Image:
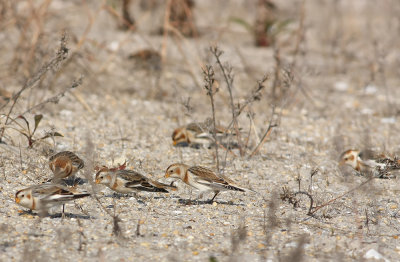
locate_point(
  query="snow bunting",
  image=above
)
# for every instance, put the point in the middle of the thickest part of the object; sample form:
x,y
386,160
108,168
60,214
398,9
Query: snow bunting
x,y
128,181
147,59
65,164
195,134
368,162
44,196
202,179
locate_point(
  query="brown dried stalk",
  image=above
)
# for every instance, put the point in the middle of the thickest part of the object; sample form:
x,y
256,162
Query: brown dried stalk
x,y
209,79
227,72
61,55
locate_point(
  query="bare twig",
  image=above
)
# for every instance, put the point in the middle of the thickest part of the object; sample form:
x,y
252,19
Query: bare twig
x,y
165,31
61,55
227,72
55,99
311,200
342,195
208,72
254,96
300,33
277,76
266,134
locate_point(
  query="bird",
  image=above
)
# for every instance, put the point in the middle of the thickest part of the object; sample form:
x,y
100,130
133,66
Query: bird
x,y
129,181
65,164
196,134
45,196
369,162
202,179
147,59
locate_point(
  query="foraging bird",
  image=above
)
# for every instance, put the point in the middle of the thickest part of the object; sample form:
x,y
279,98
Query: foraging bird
x,y
128,181
202,179
196,134
379,165
65,164
44,196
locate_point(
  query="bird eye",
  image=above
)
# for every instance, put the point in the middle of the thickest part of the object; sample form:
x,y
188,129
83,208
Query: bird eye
x,y
22,195
346,158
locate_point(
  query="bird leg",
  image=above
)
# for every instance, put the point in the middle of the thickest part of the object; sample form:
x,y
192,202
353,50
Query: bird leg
x,y
212,199
63,213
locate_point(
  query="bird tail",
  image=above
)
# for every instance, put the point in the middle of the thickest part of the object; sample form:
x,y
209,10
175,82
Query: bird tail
x,y
77,196
163,187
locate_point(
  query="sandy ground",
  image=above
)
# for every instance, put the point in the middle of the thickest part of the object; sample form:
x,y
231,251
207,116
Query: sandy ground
x,y
344,95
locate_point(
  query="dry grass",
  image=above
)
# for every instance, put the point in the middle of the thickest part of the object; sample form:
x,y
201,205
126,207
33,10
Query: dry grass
x,y
326,83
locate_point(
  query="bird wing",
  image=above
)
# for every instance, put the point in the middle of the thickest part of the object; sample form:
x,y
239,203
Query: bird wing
x,y
137,181
76,161
51,193
209,178
196,128
206,176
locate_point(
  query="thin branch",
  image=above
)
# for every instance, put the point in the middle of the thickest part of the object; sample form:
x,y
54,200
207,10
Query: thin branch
x,y
55,99
61,55
227,72
266,134
311,200
342,195
209,79
254,96
299,33
165,31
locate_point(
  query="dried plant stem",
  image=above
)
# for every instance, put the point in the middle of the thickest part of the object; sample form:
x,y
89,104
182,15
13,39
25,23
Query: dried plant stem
x,y
125,18
255,95
300,33
55,99
61,55
277,75
266,134
165,30
181,50
342,195
229,82
208,72
310,197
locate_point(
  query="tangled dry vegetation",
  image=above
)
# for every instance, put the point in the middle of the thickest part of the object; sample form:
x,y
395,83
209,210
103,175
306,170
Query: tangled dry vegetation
x,y
294,83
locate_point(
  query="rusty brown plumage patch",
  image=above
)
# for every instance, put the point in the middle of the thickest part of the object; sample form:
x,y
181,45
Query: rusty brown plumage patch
x,y
186,178
358,167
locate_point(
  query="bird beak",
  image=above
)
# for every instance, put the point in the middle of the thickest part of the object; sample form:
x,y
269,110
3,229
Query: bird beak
x,y
17,199
342,162
97,181
166,175
174,143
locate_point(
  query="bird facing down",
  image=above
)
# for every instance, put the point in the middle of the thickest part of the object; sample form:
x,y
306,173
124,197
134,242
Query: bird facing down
x,y
195,134
368,162
44,196
202,179
65,164
128,181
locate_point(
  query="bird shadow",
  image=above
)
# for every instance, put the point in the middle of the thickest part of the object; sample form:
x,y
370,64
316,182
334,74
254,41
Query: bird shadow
x,y
56,215
139,199
71,215
75,181
206,202
165,197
